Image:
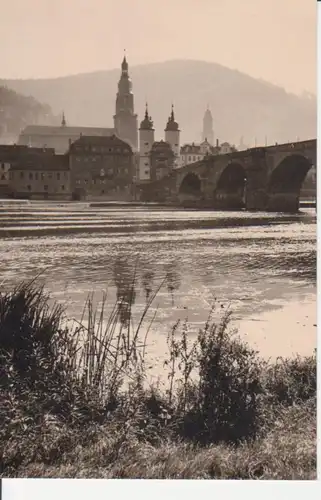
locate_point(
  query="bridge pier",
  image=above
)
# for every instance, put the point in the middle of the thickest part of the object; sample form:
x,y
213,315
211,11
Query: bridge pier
x,y
256,200
283,202
228,201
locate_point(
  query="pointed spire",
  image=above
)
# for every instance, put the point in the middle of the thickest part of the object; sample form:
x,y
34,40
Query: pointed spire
x,y
124,64
146,111
172,113
63,121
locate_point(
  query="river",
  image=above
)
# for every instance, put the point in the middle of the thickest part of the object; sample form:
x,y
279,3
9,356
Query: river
x,y
260,265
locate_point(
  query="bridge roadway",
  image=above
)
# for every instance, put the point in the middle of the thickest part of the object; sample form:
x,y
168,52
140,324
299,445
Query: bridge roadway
x,y
264,178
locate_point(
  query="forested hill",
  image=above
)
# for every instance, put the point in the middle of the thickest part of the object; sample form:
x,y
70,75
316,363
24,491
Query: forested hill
x,y
16,111
241,105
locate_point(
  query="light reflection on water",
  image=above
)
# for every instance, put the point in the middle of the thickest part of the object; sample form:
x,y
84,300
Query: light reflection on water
x,y
253,261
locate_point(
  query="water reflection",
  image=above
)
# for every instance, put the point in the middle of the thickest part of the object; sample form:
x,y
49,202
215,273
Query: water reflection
x,y
251,260
173,281
147,281
125,281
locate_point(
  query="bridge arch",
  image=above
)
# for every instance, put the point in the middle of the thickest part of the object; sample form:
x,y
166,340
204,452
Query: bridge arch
x,y
190,185
285,183
230,191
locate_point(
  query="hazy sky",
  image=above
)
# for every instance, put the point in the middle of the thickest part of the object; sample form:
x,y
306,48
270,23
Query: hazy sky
x,y
274,40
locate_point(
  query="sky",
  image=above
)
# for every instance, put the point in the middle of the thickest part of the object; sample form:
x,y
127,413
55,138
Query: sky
x,y
274,40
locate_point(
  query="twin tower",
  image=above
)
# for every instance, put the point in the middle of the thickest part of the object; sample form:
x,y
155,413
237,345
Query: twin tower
x,y
146,141
126,126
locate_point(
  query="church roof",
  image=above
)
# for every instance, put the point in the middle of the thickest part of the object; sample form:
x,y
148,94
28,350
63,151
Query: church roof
x,y
111,140
65,131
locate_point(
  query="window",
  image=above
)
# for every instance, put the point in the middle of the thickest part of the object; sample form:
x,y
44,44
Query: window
x,y
45,187
62,188
146,172
29,187
146,143
10,175
36,176
3,177
30,176
189,158
42,176
50,175
58,176
2,166
194,158
21,175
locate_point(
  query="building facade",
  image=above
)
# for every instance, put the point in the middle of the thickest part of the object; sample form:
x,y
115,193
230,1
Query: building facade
x,y
125,119
191,153
40,177
12,154
226,148
101,167
146,141
162,160
172,135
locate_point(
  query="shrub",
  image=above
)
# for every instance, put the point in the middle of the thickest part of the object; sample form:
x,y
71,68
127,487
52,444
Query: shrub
x,y
290,381
217,393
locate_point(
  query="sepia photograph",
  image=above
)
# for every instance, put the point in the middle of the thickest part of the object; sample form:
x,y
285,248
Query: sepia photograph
x,y
158,241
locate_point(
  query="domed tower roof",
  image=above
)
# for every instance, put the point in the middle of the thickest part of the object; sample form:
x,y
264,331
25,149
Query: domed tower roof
x,y
171,123
147,123
208,114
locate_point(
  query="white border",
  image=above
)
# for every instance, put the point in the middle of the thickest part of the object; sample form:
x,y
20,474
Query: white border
x,y
76,489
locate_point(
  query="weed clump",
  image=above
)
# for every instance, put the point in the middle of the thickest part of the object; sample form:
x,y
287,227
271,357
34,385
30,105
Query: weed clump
x,y
65,388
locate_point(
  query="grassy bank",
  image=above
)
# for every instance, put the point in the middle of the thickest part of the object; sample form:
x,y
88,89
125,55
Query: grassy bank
x,y
76,400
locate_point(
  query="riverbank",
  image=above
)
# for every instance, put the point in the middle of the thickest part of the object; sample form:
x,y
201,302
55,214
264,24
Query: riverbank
x,y
76,402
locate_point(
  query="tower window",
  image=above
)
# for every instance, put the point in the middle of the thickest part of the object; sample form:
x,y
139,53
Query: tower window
x,y
146,143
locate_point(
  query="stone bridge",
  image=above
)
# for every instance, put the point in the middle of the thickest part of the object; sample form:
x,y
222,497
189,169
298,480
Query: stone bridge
x,y
265,178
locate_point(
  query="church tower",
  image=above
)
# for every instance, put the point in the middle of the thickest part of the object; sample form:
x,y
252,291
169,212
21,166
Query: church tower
x,y
172,136
125,120
146,141
208,127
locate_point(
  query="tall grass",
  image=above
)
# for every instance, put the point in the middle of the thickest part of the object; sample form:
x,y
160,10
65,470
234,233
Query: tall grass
x,y
63,385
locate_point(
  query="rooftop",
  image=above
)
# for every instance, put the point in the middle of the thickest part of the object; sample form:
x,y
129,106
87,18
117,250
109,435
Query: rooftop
x,y
91,140
66,131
